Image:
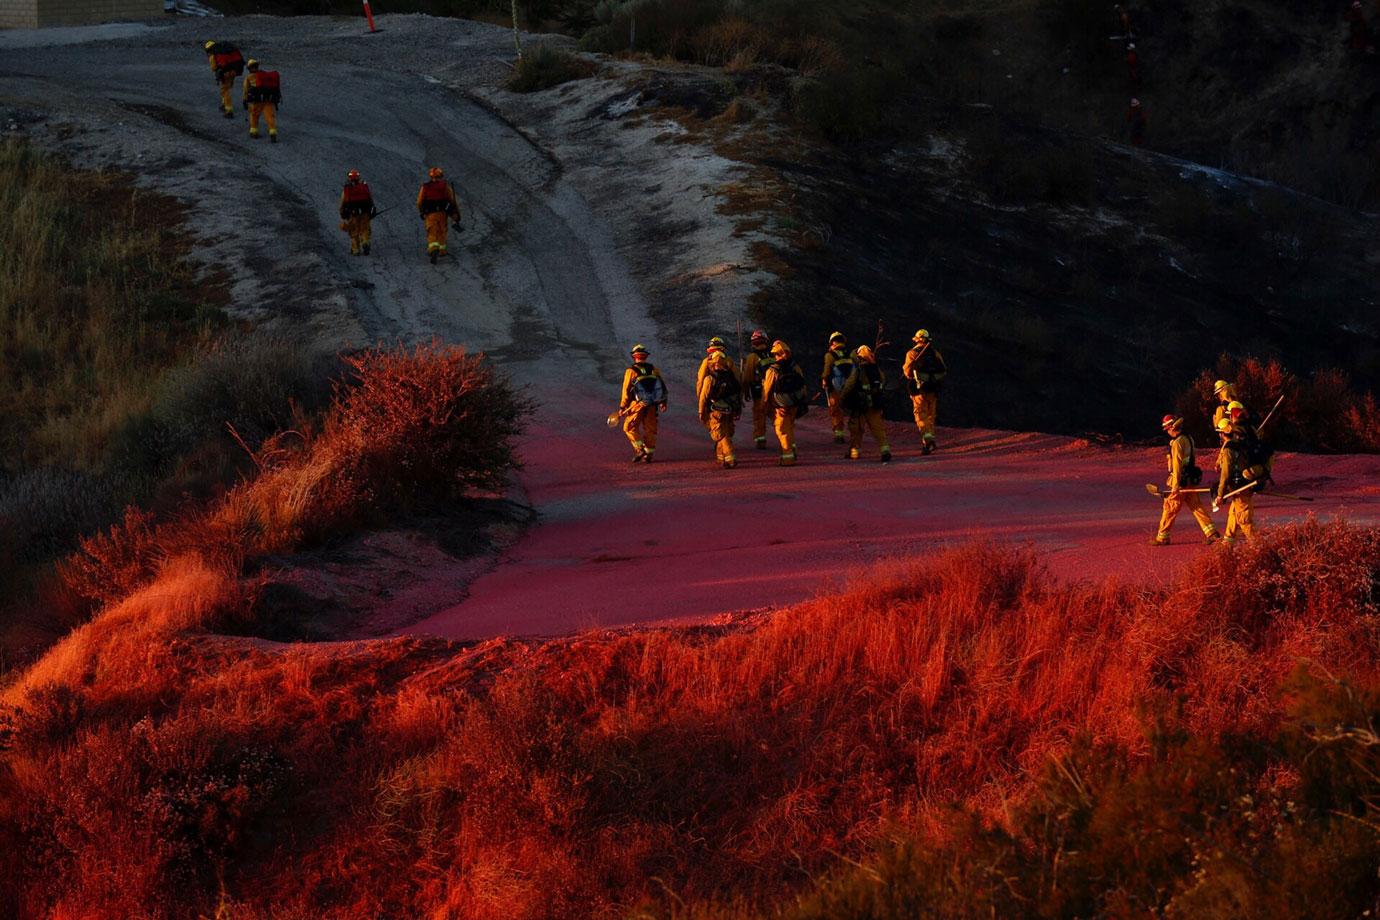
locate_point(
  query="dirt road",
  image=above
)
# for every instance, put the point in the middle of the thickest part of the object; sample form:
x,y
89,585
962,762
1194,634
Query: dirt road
x,y
541,280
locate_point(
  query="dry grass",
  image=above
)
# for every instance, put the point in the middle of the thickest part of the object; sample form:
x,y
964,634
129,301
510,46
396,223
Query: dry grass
x,y
95,302
576,778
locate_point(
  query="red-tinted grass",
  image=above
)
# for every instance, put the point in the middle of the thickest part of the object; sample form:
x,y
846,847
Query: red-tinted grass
x,y
156,769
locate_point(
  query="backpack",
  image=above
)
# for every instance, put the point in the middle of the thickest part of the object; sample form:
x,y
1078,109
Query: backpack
x,y
647,387
838,374
726,391
267,87
1190,474
791,389
227,58
867,391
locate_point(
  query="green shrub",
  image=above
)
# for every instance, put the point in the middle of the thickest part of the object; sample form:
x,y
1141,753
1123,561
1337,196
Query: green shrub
x,y
542,67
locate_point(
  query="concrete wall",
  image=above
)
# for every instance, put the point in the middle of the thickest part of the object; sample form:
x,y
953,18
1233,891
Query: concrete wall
x,y
29,14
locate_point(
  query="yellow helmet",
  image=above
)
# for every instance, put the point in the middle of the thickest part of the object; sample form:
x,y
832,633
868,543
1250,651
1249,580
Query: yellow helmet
x,y
252,63
1224,425
921,335
864,353
639,349
1234,405
208,46
780,348
1219,386
436,172
837,337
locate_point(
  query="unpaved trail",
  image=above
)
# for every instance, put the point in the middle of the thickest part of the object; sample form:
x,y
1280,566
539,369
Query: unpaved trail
x,y
533,267
543,278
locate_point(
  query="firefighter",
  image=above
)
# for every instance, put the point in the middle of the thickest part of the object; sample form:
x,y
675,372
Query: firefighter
x,y
1225,394
1133,65
262,95
356,211
720,404
1136,123
437,205
643,398
924,370
227,63
716,346
755,367
1236,472
838,366
787,397
862,398
1184,473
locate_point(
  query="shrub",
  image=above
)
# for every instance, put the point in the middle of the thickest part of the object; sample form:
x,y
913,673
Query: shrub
x,y
1321,414
542,67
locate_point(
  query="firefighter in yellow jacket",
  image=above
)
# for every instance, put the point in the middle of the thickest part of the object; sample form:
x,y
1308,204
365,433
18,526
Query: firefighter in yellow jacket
x,y
716,346
755,367
1235,473
263,94
787,397
356,212
861,398
838,366
437,205
720,404
924,370
643,397
1184,473
1225,394
227,63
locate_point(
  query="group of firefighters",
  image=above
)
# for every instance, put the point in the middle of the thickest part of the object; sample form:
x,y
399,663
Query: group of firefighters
x,y
772,382
263,89
263,94
1244,464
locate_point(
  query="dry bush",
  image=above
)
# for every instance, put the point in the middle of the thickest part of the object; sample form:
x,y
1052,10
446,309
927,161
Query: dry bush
x,y
1320,414
556,780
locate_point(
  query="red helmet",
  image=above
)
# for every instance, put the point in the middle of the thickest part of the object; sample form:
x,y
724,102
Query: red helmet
x,y
435,172
352,176
1171,421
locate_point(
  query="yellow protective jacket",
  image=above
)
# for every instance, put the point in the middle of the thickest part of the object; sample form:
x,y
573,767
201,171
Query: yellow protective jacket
x,y
926,363
630,377
704,369
1179,456
750,364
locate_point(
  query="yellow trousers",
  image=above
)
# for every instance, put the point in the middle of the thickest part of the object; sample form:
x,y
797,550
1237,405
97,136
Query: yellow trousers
x,y
1241,517
639,425
872,421
759,419
836,415
924,406
357,226
437,225
226,84
784,422
1175,503
268,112
721,427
